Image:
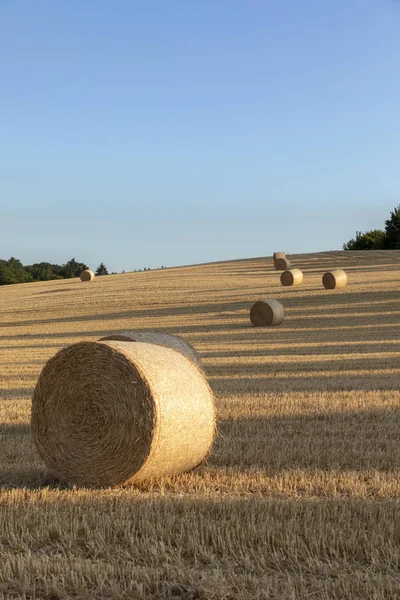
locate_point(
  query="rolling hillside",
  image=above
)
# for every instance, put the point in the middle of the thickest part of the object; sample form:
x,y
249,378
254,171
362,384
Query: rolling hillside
x,y
300,495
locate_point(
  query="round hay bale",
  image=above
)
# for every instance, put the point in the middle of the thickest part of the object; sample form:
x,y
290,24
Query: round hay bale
x,y
161,339
87,275
282,264
279,255
266,313
113,413
292,277
334,279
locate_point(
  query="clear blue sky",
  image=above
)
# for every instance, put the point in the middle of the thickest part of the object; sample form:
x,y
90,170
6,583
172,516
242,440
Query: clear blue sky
x,y
149,133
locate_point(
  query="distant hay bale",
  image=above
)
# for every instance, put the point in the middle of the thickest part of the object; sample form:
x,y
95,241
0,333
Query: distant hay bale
x,y
266,313
161,339
279,255
292,277
114,413
334,279
87,275
282,264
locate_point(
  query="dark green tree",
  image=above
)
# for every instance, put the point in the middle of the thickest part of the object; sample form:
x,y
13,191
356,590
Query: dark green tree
x,y
44,271
392,229
6,275
101,269
73,269
12,271
370,240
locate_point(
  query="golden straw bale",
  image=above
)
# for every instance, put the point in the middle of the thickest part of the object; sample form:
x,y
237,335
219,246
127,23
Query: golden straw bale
x,y
282,264
87,275
267,312
334,279
161,339
112,413
292,277
279,255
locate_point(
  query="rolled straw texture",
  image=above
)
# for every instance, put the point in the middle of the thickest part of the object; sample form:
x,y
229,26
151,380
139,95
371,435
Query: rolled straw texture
x,y
292,277
279,255
161,339
334,279
112,413
87,275
282,264
266,313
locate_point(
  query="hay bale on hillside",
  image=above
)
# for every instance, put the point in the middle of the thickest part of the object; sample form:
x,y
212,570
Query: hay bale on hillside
x,y
279,255
110,413
161,339
292,277
334,279
87,275
266,313
282,264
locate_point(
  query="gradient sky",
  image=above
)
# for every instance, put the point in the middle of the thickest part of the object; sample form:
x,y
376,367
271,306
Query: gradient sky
x,y
168,133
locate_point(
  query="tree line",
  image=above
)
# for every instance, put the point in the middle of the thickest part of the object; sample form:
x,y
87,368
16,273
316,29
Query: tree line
x,y
378,239
13,271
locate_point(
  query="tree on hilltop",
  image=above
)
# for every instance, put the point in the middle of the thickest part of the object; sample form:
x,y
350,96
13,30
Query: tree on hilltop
x,y
101,269
392,229
370,240
378,239
73,269
12,271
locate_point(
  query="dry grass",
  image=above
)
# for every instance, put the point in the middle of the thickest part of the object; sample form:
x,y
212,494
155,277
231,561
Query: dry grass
x,y
299,498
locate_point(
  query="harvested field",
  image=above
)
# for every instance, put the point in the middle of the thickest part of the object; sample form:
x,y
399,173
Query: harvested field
x,y
300,495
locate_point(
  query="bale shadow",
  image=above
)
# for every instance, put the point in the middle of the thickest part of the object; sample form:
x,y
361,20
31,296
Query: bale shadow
x,y
56,291
274,349
244,386
167,311
354,440
16,452
13,393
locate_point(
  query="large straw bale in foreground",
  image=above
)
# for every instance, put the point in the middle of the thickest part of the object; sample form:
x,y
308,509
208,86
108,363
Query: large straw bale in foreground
x,y
110,413
334,279
87,275
282,264
292,277
267,313
161,339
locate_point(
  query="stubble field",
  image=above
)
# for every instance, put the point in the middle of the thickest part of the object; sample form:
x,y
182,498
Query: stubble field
x,y
299,498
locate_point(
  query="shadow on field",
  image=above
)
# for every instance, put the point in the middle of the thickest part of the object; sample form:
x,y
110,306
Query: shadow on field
x,y
308,350
14,429
13,393
351,270
30,478
209,327
348,440
257,385
56,291
16,452
312,368
320,303
196,309
346,296
314,312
